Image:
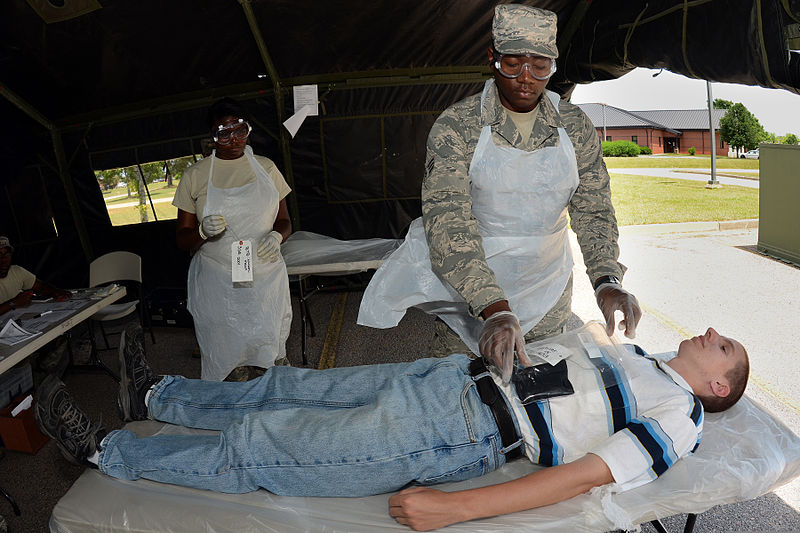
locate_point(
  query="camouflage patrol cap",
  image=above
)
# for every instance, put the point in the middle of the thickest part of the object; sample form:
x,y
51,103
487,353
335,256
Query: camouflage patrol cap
x,y
519,29
5,242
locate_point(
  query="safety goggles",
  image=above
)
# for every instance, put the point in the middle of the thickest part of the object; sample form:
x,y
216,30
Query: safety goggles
x,y
512,66
239,131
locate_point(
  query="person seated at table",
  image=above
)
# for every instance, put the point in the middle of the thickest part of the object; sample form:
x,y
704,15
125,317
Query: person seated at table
x,y
359,431
18,286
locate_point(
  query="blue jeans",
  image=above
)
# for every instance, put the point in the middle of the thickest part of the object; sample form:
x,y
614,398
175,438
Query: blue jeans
x,y
351,431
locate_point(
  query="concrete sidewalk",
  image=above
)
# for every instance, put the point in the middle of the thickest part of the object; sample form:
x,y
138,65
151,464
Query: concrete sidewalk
x,y
691,276
687,277
694,174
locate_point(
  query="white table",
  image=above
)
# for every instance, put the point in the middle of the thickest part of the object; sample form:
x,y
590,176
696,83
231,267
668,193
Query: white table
x,y
11,355
311,254
301,272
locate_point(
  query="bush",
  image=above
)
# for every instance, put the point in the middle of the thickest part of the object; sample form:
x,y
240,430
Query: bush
x,y
620,149
645,150
692,150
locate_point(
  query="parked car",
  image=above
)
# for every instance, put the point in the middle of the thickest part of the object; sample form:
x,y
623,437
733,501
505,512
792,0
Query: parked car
x,y
752,154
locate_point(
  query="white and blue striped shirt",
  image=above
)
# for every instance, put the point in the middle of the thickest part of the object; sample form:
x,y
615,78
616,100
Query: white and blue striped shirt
x,y
633,411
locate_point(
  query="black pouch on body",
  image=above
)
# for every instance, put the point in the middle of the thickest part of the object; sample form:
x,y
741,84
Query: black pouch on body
x,y
542,381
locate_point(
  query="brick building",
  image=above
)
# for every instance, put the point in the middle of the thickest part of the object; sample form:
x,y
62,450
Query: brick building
x,y
663,132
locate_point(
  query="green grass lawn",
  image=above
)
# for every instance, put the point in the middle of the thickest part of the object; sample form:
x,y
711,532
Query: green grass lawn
x,y
157,190
652,200
637,200
130,215
679,162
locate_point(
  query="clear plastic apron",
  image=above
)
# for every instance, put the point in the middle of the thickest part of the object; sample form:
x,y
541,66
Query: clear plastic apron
x,y
519,199
243,323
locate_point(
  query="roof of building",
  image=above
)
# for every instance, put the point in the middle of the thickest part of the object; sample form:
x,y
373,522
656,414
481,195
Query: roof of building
x,y
683,119
675,120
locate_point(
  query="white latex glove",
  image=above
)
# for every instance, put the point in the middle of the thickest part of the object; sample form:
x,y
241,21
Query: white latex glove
x,y
212,225
269,247
502,334
612,298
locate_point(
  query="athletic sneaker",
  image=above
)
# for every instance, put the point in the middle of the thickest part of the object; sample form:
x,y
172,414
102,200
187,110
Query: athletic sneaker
x,y
135,376
60,419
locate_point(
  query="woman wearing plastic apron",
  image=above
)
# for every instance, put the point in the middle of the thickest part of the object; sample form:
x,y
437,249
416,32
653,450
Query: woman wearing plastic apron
x,y
519,199
242,323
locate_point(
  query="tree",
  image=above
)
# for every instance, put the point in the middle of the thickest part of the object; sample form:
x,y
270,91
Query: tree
x,y
741,129
790,138
719,103
107,179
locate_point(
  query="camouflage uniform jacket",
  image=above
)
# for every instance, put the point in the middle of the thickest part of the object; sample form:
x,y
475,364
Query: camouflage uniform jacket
x,y
456,249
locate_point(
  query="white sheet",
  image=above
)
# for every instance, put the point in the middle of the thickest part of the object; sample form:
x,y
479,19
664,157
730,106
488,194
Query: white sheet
x,y
744,453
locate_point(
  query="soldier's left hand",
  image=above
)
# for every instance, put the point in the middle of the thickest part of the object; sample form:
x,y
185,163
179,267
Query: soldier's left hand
x,y
269,247
612,298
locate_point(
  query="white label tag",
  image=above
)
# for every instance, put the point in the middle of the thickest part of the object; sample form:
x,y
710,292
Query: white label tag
x,y
591,348
552,353
241,261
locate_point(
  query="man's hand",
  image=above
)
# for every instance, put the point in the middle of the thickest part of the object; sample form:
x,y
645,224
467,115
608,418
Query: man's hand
x,y
612,298
269,247
212,225
59,295
423,509
502,334
22,299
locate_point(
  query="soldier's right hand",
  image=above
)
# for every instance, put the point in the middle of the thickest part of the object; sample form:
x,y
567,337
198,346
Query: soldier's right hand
x,y
500,336
212,225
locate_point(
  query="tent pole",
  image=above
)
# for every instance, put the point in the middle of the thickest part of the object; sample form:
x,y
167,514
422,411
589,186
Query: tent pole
x,y
61,159
72,199
278,90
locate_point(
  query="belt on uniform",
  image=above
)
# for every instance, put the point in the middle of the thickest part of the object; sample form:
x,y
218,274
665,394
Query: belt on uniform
x,y
491,396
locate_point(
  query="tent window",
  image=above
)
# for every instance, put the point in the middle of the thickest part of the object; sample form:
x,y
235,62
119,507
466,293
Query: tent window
x,y
142,193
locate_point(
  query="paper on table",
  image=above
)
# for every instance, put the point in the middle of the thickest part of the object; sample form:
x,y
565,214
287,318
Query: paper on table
x,y
12,334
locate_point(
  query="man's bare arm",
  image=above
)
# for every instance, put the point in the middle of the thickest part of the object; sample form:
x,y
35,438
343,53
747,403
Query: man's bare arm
x,y
424,509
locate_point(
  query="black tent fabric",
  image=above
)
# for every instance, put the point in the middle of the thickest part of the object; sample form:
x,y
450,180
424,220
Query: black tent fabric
x,y
95,84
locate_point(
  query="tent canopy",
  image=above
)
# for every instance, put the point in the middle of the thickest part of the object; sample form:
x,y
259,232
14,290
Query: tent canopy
x,y
94,84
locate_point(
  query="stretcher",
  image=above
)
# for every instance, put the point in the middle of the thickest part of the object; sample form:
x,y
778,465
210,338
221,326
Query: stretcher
x,y
309,254
745,453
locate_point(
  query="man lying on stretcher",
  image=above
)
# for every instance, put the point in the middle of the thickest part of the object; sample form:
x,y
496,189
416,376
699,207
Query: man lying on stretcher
x,y
596,411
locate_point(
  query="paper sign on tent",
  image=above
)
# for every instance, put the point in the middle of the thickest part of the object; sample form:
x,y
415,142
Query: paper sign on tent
x,y
294,122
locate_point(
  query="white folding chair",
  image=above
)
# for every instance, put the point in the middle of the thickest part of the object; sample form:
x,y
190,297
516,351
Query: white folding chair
x,y
113,267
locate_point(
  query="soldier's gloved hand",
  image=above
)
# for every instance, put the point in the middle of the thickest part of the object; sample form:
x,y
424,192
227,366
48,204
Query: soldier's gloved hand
x,y
269,247
611,298
500,336
212,225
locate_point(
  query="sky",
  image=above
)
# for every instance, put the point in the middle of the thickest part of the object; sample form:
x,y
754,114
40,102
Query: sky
x,y
777,110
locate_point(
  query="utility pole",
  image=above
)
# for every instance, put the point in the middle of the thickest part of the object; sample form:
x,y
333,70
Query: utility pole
x,y
712,183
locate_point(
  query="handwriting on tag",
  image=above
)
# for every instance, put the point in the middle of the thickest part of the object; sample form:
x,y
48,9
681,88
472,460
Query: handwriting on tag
x,y
552,353
241,261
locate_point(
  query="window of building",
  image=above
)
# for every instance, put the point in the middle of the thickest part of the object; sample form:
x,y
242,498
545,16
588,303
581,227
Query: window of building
x,y
635,138
142,193
608,138
721,143
659,141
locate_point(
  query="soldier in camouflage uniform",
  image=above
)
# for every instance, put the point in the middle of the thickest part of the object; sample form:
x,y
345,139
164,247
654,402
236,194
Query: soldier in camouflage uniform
x,y
451,229
554,147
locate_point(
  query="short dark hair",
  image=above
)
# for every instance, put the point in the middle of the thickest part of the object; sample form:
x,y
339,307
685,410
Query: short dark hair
x,y
225,107
737,379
